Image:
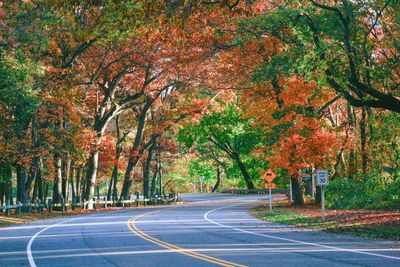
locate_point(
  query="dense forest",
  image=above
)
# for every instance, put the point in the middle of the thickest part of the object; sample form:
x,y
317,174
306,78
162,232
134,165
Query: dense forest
x,y
112,97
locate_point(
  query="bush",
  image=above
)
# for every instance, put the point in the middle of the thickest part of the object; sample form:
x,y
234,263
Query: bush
x,y
373,193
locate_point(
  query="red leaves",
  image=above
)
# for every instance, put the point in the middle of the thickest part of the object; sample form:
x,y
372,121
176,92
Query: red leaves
x,y
307,140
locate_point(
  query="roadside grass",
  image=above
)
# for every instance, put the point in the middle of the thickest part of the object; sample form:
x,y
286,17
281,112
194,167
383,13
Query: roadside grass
x,y
364,223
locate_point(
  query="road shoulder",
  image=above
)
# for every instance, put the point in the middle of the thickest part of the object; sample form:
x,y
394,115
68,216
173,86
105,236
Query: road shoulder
x,y
363,223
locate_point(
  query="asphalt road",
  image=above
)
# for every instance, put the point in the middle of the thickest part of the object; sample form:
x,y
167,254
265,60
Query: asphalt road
x,y
213,230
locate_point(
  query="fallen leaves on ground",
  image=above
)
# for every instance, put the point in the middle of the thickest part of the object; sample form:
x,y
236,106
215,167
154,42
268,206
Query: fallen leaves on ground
x,y
368,223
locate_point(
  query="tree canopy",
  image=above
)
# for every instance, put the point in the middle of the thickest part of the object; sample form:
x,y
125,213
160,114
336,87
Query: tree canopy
x,y
126,96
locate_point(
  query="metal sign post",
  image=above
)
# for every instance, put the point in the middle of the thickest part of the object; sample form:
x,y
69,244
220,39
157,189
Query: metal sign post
x,y
312,183
322,180
270,200
323,203
201,178
269,177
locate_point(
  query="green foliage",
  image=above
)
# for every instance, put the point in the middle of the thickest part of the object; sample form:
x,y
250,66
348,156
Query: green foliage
x,y
220,137
17,96
373,193
197,169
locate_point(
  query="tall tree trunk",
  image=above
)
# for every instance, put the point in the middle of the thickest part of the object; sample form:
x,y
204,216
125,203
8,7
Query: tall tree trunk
x,y
216,186
134,159
146,172
113,190
363,132
21,180
110,185
57,189
115,185
98,191
91,177
38,184
34,169
78,182
244,171
33,172
66,176
297,192
352,154
2,192
6,182
318,195
160,177
154,180
3,184
46,190
71,181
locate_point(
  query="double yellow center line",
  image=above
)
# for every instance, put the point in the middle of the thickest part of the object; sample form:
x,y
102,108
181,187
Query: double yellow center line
x,y
132,226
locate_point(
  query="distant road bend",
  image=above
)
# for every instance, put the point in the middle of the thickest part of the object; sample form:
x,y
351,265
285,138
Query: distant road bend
x,y
212,230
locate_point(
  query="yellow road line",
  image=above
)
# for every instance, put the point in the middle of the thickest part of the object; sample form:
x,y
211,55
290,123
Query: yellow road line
x,y
132,226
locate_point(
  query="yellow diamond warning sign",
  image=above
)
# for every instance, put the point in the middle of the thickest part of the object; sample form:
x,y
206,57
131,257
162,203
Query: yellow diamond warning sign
x,y
269,176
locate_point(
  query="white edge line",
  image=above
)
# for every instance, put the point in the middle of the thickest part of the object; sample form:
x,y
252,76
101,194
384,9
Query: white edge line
x,y
29,246
291,240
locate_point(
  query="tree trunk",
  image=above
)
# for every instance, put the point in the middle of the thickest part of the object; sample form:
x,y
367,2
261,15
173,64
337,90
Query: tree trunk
x,y
71,181
110,185
33,172
6,182
113,190
318,195
297,193
244,172
57,189
21,179
216,186
146,173
134,159
352,154
154,180
46,191
41,195
160,177
98,191
91,178
78,182
363,131
2,192
66,177
38,188
3,184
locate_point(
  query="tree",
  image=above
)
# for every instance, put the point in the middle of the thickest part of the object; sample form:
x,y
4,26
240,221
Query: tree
x,y
228,132
349,46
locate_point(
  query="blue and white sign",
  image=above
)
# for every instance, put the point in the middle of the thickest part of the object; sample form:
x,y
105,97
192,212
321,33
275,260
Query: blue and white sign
x,y
322,177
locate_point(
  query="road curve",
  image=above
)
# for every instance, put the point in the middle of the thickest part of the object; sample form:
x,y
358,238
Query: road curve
x,y
212,230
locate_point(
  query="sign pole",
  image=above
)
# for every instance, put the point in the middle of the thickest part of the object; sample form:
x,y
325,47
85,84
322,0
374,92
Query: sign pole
x,y
312,183
291,190
270,200
322,203
201,178
322,181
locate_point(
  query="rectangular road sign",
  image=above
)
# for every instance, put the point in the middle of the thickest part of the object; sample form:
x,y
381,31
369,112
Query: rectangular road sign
x,y
270,186
306,175
322,177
